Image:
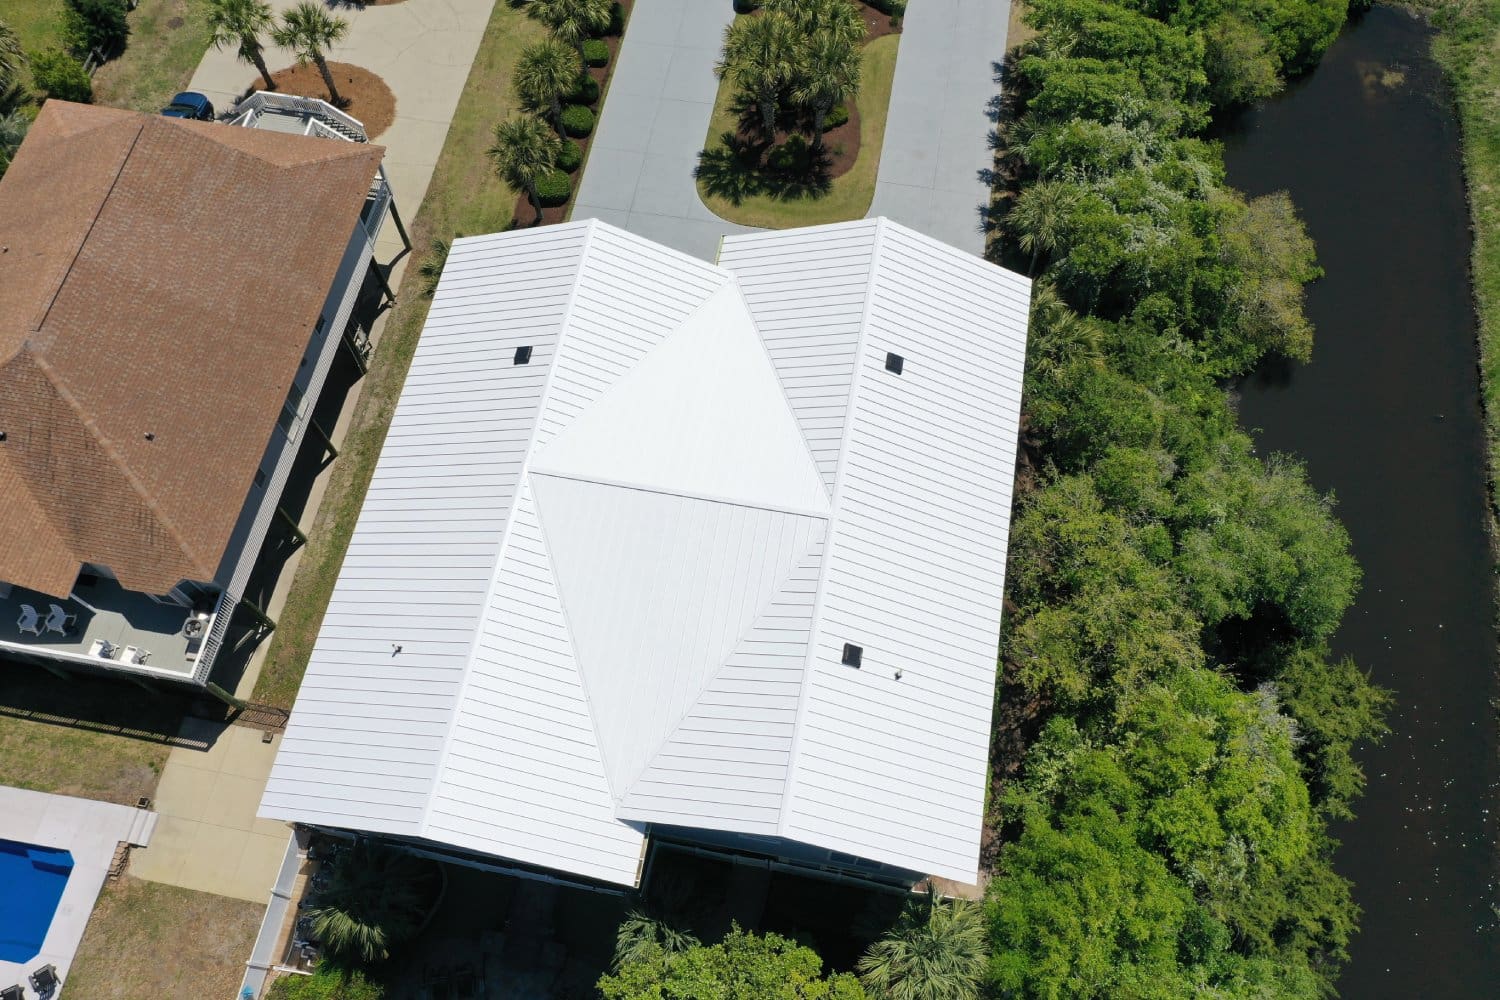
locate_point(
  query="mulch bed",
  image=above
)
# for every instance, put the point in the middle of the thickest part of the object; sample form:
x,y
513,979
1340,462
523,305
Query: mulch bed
x,y
524,212
365,95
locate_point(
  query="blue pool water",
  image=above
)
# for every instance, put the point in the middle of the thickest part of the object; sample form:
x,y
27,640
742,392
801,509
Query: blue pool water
x,y
31,883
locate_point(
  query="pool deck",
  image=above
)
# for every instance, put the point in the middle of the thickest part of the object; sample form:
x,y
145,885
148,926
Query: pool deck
x,y
90,831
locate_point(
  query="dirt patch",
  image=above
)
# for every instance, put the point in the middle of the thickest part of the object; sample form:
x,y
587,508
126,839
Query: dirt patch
x,y
364,95
174,23
877,23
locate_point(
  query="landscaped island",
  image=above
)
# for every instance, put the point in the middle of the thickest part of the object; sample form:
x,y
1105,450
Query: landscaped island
x,y
799,119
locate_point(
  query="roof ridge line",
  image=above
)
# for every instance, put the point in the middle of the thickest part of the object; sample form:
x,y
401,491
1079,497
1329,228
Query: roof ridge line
x,y
115,457
816,631
140,129
590,226
739,641
661,491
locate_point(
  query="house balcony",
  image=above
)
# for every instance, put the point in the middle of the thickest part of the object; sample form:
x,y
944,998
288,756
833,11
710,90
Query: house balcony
x,y
106,626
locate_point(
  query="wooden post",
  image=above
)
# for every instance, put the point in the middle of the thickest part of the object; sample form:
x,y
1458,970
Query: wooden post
x,y
265,620
296,531
385,286
396,218
225,696
327,441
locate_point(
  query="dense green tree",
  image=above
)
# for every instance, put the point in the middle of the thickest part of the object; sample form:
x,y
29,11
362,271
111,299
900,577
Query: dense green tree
x,y
766,967
1239,63
241,23
524,152
935,951
829,73
545,73
763,56
58,74
310,31
573,22
94,25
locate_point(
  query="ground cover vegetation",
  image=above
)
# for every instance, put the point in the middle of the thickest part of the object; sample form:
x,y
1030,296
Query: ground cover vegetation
x,y
799,118
561,81
1468,47
1186,735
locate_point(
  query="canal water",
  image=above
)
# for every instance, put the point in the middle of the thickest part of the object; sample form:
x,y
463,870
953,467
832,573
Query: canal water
x,y
1387,416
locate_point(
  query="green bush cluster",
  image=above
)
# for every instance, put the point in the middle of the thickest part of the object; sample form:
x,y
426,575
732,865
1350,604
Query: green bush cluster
x,y
55,73
587,91
837,118
577,120
616,26
555,188
1172,593
595,52
95,24
570,157
327,983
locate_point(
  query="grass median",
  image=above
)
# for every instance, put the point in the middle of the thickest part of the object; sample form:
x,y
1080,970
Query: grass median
x,y
464,197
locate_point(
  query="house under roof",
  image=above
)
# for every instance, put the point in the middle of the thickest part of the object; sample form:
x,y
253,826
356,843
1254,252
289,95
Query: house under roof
x,y
658,543
159,282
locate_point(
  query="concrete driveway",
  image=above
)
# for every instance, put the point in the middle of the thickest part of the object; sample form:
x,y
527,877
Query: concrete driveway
x,y
937,140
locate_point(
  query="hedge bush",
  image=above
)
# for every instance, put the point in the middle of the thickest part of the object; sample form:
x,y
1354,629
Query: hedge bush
x,y
595,52
95,24
57,74
325,984
570,158
616,21
837,117
554,189
587,91
577,120
746,6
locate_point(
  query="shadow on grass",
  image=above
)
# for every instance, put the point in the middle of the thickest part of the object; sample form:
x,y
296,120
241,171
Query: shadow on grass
x,y
748,163
101,704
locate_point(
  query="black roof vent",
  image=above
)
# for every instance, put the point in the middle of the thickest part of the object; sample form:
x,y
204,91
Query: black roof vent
x,y
523,355
894,363
853,654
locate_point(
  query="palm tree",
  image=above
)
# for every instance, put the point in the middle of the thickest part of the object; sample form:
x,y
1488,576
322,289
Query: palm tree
x,y
525,150
432,265
837,17
544,73
641,936
573,22
829,74
12,62
1038,216
13,128
762,54
935,951
310,31
375,899
241,23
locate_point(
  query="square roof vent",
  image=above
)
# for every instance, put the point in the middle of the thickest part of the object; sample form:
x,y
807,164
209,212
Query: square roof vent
x,y
894,363
523,355
853,654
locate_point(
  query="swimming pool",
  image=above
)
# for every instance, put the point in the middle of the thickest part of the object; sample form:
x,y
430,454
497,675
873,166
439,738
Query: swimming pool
x,y
32,880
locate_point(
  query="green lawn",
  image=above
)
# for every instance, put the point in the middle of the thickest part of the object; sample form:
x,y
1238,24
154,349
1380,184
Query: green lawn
x,y
167,41
37,23
463,197
1468,46
849,196
100,738
151,940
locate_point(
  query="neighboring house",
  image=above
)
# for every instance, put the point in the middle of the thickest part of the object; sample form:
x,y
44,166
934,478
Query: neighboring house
x,y
172,295
663,549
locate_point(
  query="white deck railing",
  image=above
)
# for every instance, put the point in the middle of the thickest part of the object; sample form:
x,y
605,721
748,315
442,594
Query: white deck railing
x,y
258,103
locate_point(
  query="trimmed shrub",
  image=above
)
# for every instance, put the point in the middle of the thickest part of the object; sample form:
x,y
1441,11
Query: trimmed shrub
x,y
95,24
57,74
325,984
587,91
595,52
746,6
577,120
616,21
570,158
837,117
554,189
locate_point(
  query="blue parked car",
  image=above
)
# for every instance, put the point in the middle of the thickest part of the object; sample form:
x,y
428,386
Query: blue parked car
x,y
190,105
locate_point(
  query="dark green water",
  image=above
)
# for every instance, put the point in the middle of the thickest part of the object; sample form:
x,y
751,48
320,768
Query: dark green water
x,y
1387,416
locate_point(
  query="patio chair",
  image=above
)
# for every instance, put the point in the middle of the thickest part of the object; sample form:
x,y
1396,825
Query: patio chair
x,y
12,993
30,621
58,620
45,981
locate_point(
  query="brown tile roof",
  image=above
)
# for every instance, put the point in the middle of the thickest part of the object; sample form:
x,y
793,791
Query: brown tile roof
x,y
161,277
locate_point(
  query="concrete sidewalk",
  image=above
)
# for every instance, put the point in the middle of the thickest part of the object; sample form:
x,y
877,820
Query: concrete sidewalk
x,y
937,139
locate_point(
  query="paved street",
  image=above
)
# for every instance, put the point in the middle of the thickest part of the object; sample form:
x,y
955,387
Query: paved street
x,y
937,139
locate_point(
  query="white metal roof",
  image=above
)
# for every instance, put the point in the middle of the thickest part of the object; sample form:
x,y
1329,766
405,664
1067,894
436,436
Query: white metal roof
x,y
621,576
